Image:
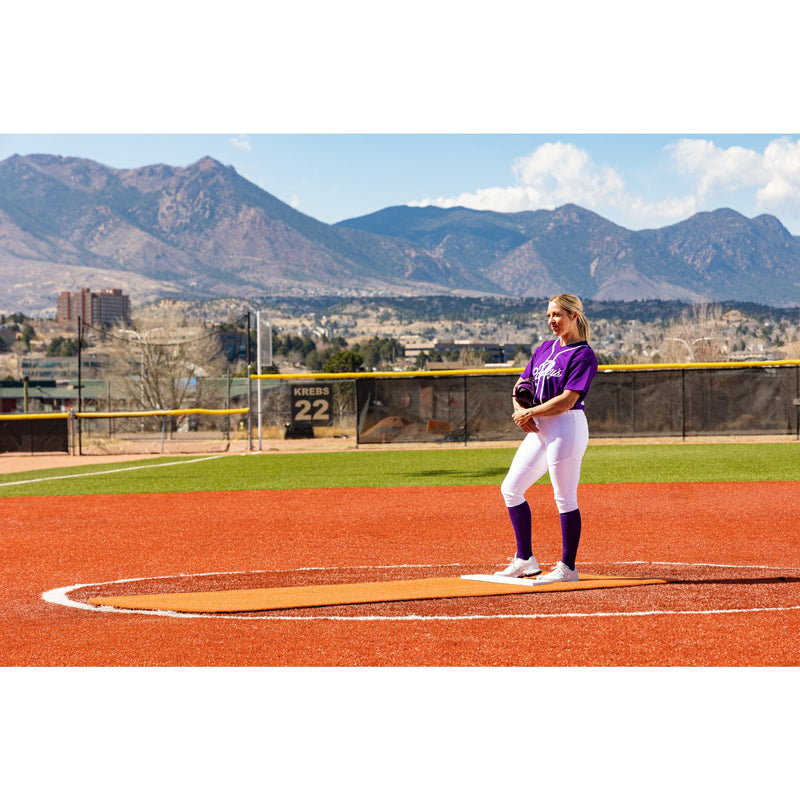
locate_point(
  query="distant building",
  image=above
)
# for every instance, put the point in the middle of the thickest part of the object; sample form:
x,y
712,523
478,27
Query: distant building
x,y
103,308
58,368
495,353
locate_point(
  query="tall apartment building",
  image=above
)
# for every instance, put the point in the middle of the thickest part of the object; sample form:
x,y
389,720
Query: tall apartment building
x,y
103,308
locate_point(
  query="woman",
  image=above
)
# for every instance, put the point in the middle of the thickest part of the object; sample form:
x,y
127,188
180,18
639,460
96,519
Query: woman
x,y
558,376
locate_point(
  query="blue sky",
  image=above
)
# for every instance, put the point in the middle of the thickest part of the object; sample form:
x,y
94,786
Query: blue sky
x,y
636,180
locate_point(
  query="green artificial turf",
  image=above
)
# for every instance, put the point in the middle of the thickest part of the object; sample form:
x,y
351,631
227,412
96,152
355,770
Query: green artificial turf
x,y
628,463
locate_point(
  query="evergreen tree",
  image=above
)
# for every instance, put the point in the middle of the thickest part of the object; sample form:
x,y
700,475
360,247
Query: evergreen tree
x,y
343,361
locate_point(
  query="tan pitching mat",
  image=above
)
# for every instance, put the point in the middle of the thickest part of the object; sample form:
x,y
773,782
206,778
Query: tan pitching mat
x,y
338,594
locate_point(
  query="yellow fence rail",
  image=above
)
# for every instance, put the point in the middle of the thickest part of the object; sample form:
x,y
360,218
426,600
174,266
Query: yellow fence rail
x,y
432,373
174,412
179,412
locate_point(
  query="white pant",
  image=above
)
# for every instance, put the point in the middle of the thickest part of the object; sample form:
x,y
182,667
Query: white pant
x,y
558,447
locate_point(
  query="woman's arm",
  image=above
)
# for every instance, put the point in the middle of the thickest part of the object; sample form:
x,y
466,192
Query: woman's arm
x,y
556,405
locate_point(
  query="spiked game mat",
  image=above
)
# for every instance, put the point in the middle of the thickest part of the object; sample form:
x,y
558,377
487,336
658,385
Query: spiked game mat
x,y
284,597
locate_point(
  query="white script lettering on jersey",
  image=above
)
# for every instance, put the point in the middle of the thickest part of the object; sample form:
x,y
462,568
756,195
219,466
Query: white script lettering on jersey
x,y
547,369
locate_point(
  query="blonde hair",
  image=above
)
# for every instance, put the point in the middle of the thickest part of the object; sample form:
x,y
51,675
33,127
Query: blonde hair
x,y
573,305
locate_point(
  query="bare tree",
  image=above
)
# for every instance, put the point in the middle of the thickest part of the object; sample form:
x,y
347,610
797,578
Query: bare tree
x,y
695,336
163,363
471,359
792,347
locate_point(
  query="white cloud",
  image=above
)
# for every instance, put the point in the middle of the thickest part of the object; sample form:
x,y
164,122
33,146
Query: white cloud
x,y
782,164
672,209
716,169
774,175
563,173
557,173
553,174
507,200
241,142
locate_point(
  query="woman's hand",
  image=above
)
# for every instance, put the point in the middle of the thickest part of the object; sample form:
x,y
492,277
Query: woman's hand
x,y
524,419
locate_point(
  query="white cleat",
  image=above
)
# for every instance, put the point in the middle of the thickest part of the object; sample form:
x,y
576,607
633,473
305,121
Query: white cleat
x,y
521,568
561,574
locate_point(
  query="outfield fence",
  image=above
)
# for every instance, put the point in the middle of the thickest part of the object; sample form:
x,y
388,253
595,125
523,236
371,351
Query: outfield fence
x,y
463,406
669,400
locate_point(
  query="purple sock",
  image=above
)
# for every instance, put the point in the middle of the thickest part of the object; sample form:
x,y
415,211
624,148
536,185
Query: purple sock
x,y
570,536
521,521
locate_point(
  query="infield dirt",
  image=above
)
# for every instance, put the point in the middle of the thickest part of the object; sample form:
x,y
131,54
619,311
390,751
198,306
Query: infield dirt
x,y
729,550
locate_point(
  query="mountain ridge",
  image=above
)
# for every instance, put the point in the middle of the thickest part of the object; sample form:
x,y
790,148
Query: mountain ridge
x,y
203,231
709,256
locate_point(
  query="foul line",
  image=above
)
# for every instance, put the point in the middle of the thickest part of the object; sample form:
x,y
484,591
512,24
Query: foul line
x,y
472,617
112,471
59,596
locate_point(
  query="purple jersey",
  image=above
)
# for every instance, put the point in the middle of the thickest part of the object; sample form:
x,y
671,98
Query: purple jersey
x,y
554,368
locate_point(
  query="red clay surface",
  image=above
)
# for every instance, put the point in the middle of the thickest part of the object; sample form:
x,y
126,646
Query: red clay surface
x,y
731,551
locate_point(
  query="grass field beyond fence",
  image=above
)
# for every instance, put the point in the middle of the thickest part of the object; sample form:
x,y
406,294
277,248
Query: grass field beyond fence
x,y
452,467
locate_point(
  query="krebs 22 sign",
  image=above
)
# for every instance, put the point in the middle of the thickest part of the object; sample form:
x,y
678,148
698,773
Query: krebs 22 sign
x,y
311,404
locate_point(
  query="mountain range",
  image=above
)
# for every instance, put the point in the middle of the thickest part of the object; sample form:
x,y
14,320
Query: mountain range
x,y
203,231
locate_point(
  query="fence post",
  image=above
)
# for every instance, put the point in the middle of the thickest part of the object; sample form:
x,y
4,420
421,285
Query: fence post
x,y
249,389
683,405
258,369
80,386
108,408
228,407
466,417
358,410
797,400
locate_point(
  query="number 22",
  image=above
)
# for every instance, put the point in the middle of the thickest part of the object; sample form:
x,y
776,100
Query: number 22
x,y
304,408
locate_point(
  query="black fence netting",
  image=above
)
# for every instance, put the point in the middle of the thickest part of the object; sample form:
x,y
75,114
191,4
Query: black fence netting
x,y
658,402
757,400
34,435
458,408
696,402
